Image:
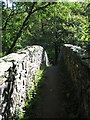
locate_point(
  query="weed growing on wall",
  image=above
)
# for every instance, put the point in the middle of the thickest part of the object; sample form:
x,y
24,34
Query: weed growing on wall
x,y
33,95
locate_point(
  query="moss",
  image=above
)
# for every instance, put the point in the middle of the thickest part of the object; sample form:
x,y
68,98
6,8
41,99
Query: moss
x,y
33,95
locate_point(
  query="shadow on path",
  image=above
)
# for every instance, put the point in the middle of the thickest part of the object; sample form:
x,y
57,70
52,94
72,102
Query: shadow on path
x,y
55,95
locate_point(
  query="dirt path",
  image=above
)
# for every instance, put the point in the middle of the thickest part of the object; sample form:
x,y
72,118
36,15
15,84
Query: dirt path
x,y
53,100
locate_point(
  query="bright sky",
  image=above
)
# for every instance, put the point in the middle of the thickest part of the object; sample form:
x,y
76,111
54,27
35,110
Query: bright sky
x,y
42,0
9,4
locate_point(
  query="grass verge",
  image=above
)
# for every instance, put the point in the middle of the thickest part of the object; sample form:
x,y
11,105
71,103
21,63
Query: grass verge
x,y
33,95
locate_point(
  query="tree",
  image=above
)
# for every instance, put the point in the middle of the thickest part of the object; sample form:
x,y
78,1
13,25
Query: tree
x,y
43,23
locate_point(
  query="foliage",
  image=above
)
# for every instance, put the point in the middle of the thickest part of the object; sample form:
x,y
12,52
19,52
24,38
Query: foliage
x,y
33,95
47,24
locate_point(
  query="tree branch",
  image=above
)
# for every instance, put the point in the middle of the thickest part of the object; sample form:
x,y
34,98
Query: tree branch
x,y
24,24
40,8
4,27
20,31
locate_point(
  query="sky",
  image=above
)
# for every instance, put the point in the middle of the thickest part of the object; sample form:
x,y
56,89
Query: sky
x,y
44,0
9,4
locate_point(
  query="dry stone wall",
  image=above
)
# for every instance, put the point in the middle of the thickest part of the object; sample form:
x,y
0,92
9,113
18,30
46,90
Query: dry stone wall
x,y
78,67
17,74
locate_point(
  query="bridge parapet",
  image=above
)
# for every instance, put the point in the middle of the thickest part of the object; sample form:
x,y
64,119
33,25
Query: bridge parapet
x,y
76,61
17,74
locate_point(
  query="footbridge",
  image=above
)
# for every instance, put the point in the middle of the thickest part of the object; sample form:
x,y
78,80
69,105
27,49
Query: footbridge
x,y
64,94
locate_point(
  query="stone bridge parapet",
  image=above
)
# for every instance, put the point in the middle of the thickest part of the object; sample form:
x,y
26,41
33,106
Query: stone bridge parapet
x,y
17,74
75,61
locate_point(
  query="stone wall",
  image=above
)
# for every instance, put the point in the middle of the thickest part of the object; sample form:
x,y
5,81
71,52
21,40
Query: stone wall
x,y
73,58
17,74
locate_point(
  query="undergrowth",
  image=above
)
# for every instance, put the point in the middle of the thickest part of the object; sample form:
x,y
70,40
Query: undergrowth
x,y
33,95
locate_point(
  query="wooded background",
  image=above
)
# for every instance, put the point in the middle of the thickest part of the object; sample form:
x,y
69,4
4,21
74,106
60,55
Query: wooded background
x,y
49,24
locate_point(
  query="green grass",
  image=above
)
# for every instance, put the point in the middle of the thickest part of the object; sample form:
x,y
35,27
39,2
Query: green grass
x,y
33,95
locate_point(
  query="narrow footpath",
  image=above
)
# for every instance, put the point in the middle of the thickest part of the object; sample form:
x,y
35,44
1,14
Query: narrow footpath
x,y
55,95
51,104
